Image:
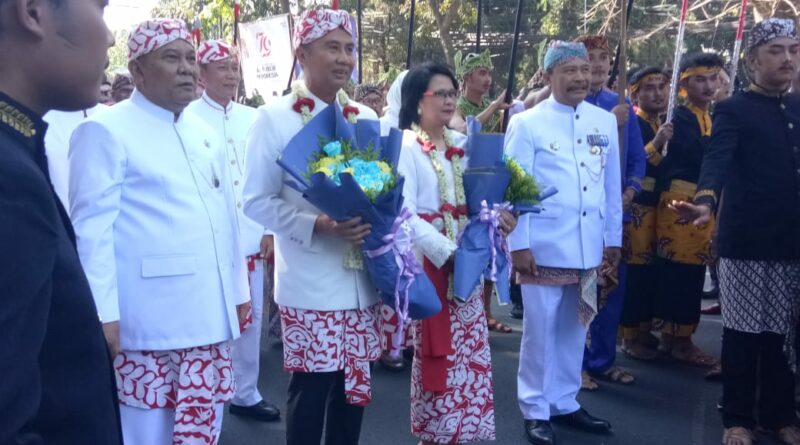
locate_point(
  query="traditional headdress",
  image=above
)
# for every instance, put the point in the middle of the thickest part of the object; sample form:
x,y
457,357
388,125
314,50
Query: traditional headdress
x,y
151,35
365,89
316,23
212,51
560,52
771,29
465,65
645,75
594,41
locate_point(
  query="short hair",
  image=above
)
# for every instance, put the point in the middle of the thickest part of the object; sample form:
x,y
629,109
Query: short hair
x,y
707,60
415,85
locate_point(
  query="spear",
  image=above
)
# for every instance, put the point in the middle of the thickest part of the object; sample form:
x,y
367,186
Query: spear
x,y
236,11
360,42
737,46
615,68
512,68
673,84
622,62
478,30
410,34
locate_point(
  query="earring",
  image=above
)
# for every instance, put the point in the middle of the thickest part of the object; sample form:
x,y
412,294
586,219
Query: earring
x,y
419,110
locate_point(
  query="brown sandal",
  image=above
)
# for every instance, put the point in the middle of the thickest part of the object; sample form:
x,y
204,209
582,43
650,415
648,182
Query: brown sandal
x,y
636,350
615,374
694,356
737,436
496,326
588,383
789,435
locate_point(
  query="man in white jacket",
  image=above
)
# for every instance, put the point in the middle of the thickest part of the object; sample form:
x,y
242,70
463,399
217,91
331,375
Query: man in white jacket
x,y
572,145
219,70
154,217
329,311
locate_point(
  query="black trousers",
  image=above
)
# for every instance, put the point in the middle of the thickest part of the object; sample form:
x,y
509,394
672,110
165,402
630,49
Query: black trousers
x,y
516,294
641,287
680,296
317,399
755,368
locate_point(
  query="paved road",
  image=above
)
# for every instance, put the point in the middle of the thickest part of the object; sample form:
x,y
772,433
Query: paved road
x,y
670,404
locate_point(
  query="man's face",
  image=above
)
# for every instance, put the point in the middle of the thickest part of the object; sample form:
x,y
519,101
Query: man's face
x,y
724,90
75,43
329,60
600,62
105,93
221,78
775,63
701,88
375,101
569,82
479,80
168,75
653,94
122,93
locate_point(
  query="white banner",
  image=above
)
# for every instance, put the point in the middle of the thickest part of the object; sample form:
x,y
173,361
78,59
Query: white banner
x,y
266,56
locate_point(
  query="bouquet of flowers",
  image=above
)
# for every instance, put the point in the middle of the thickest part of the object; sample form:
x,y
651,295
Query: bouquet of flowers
x,y
348,170
492,183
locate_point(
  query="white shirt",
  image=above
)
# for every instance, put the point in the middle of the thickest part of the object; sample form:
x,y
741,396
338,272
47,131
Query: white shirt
x,y
154,218
232,124
309,267
60,125
421,195
551,142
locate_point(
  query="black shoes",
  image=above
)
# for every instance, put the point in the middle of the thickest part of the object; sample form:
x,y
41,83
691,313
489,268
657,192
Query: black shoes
x,y
539,432
262,411
583,421
517,311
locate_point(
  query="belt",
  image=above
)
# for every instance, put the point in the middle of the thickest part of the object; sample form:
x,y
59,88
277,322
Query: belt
x,y
683,187
649,184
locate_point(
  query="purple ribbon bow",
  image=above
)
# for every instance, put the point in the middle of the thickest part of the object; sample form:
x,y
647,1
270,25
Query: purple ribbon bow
x,y
491,216
400,241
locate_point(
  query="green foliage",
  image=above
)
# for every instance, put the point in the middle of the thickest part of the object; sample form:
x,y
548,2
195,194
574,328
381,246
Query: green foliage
x,y
118,54
522,189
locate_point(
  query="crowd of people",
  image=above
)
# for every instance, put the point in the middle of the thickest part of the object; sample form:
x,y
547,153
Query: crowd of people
x,y
149,238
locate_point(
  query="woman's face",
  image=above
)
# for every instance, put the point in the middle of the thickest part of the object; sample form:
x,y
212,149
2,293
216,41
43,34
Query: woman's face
x,y
439,102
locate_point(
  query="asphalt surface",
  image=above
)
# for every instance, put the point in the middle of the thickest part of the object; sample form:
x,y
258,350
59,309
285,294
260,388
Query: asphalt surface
x,y
669,404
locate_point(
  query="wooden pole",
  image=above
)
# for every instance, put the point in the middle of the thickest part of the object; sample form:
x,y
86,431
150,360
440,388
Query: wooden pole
x,y
622,85
478,29
615,68
359,13
410,45
512,68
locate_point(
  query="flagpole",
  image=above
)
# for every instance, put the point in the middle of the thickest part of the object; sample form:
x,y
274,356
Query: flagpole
x,y
236,12
737,46
410,45
360,43
673,83
512,68
479,26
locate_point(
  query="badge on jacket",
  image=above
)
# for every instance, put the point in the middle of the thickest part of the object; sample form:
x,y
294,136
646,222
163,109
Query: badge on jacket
x,y
597,143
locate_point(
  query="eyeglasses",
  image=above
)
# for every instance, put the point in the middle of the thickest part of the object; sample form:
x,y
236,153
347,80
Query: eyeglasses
x,y
442,94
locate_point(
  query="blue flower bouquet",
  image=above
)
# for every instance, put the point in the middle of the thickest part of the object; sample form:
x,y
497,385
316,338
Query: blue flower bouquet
x,y
491,183
348,170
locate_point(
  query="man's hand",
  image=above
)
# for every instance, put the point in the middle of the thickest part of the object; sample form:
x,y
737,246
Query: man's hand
x,y
663,135
242,310
523,263
693,213
621,111
111,331
627,198
267,247
351,230
507,222
613,255
500,103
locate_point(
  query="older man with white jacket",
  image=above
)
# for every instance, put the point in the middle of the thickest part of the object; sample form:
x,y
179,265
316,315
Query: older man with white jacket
x,y
157,235
557,254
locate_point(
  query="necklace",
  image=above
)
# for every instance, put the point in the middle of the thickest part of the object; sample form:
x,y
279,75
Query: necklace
x,y
450,211
305,105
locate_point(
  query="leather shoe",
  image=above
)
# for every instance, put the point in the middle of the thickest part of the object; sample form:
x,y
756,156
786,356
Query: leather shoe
x,y
262,411
517,311
392,364
582,420
539,432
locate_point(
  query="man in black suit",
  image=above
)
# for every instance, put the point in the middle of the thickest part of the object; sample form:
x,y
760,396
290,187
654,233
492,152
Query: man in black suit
x,y
56,378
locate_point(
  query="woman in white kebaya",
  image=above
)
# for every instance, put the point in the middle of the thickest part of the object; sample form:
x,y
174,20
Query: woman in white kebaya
x,y
452,361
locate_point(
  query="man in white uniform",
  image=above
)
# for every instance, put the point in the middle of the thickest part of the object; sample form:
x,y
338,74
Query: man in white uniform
x,y
572,145
155,221
329,312
219,71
